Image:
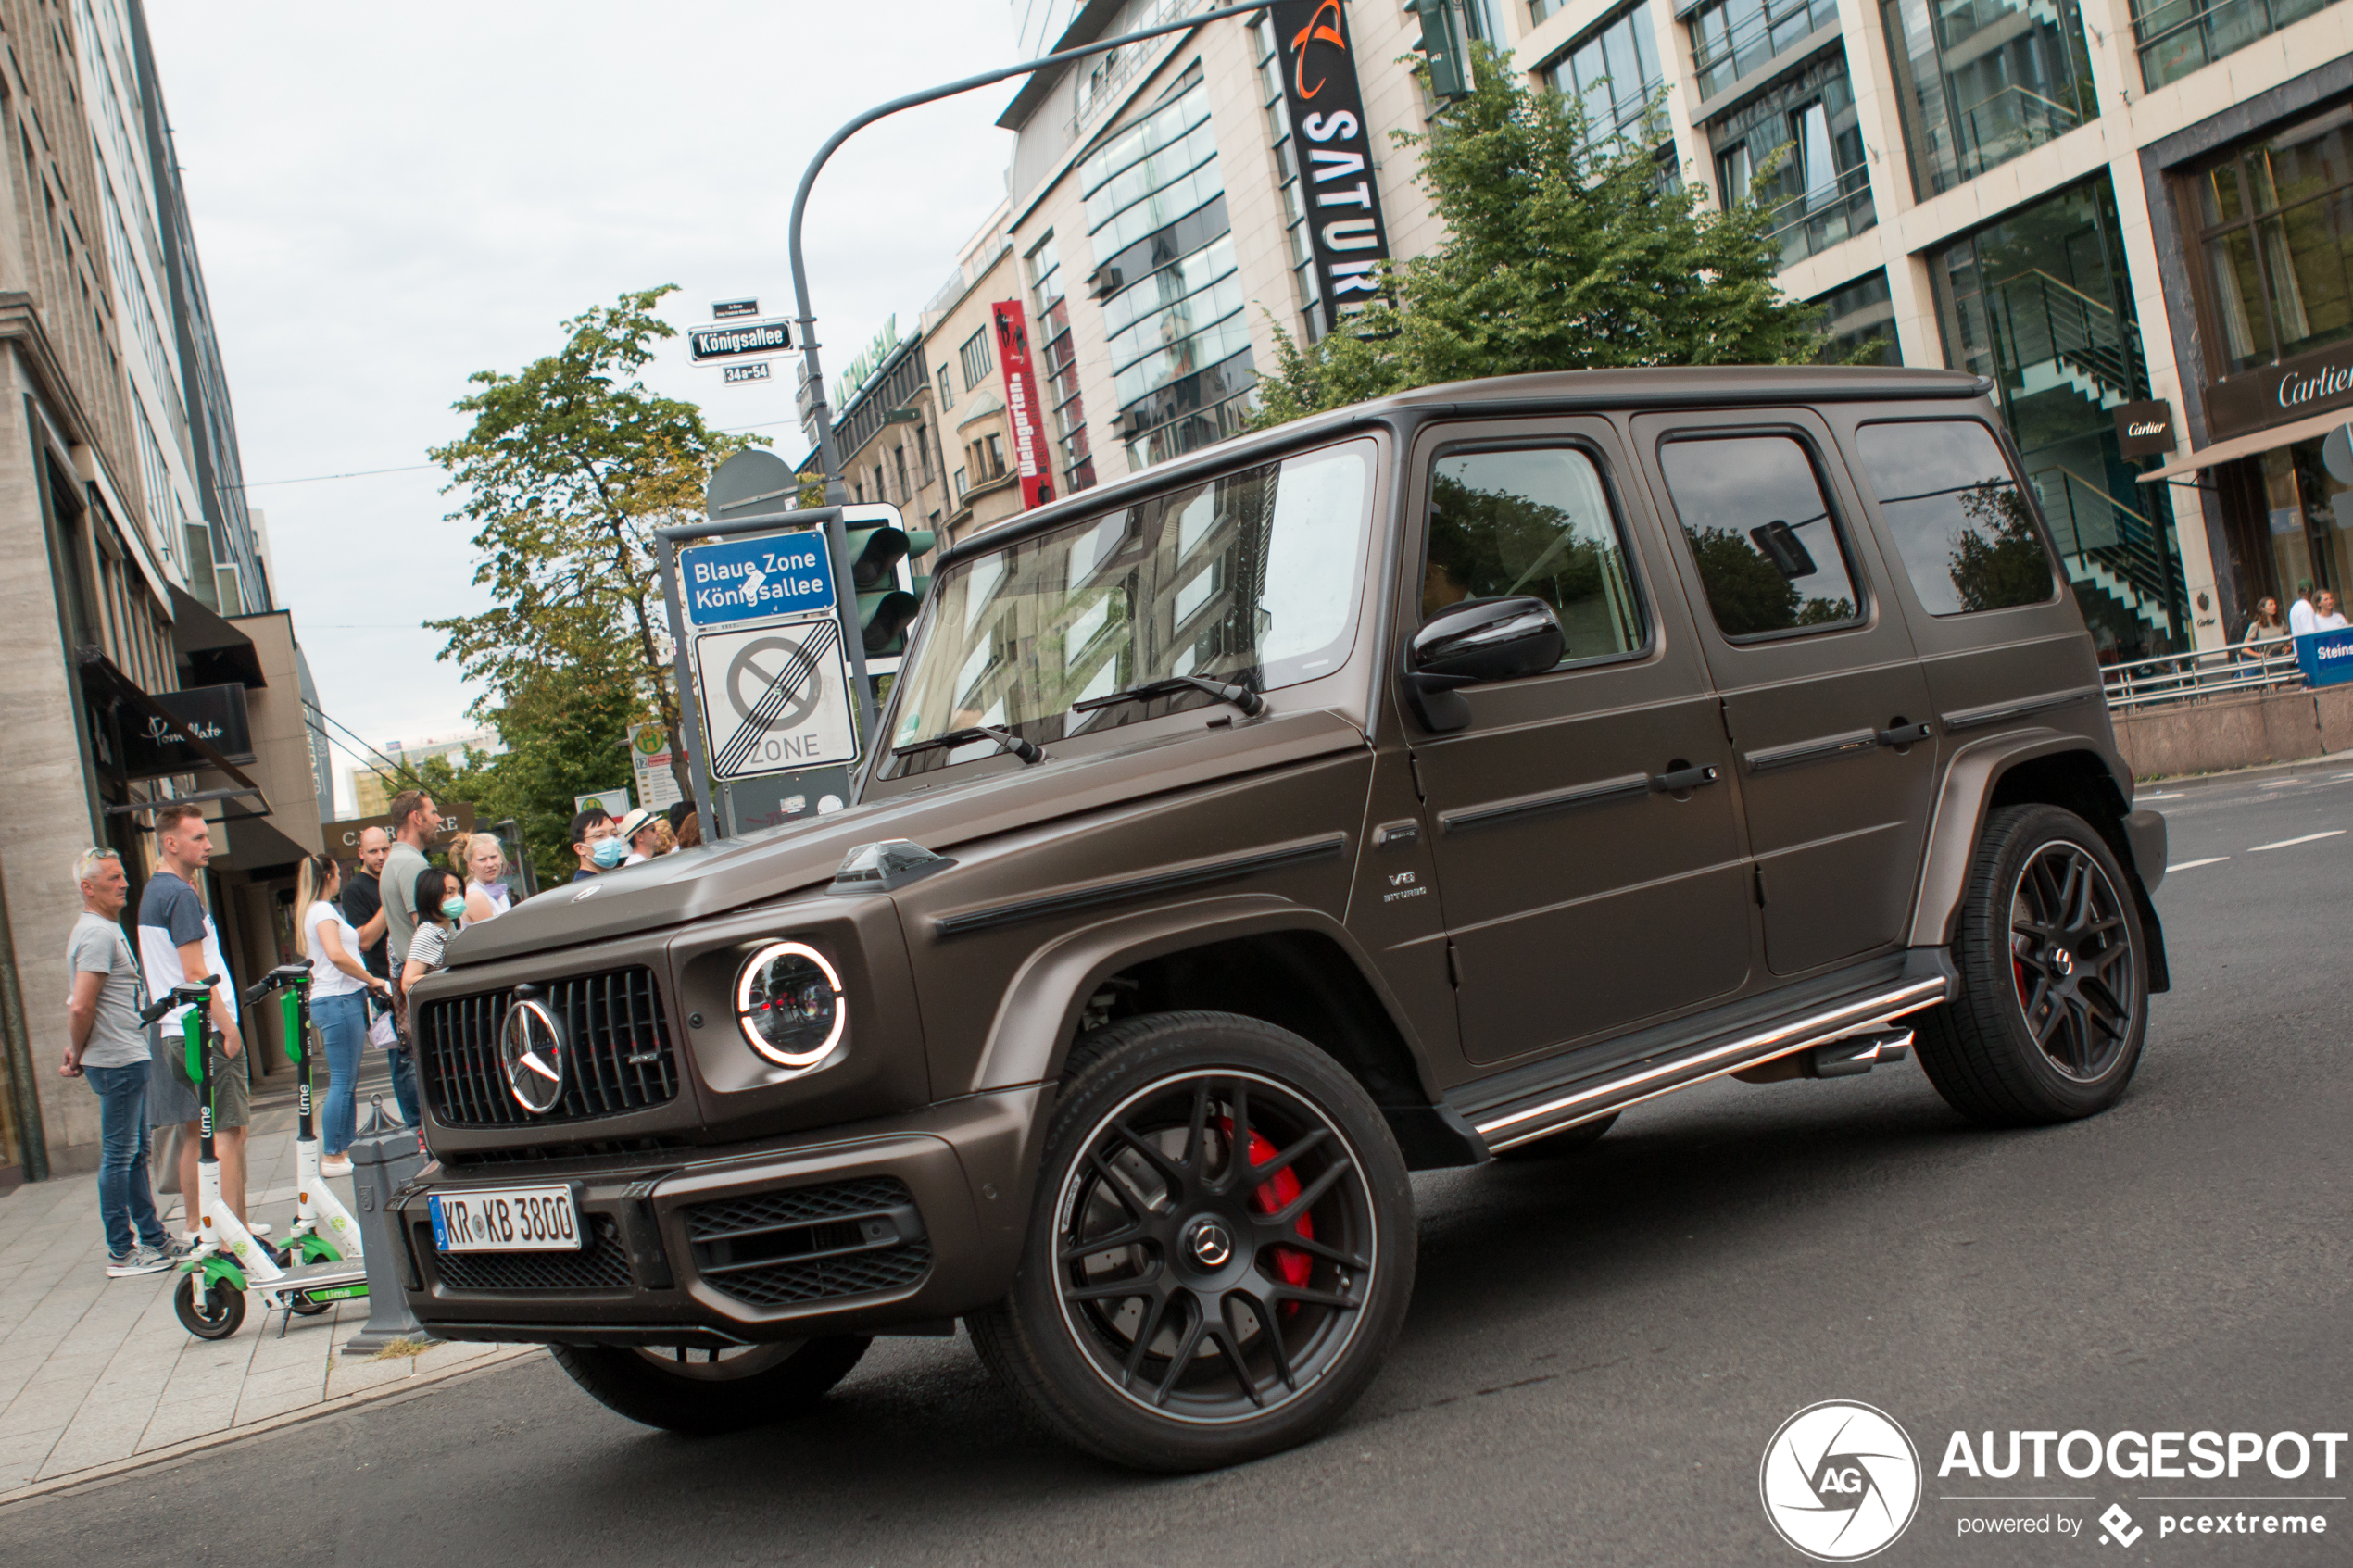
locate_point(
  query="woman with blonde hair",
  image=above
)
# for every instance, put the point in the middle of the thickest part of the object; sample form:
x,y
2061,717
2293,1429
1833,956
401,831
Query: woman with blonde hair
x,y
479,861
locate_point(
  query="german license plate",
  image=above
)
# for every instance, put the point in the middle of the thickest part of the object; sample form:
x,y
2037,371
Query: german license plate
x,y
509,1220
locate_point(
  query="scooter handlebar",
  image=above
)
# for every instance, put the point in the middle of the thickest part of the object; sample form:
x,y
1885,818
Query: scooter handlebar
x,y
285,975
188,994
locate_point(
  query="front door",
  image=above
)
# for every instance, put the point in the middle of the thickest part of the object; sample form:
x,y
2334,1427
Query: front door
x,y
1584,828
1823,695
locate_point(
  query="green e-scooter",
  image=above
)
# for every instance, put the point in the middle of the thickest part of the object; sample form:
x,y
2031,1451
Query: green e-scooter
x,y
229,1260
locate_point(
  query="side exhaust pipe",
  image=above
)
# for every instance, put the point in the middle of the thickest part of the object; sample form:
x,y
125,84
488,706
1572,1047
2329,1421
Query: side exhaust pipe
x,y
1843,1057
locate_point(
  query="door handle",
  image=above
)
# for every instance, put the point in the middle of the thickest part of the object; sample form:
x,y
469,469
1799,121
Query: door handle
x,y
1904,734
1682,779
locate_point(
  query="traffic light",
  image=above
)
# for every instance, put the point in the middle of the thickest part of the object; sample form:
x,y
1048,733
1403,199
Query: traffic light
x,y
888,592
1441,43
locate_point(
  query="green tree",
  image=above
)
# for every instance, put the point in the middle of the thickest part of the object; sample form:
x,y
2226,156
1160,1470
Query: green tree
x,y
569,467
1563,252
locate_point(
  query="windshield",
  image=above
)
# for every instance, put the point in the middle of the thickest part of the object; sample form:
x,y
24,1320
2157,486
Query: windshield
x,y
1251,579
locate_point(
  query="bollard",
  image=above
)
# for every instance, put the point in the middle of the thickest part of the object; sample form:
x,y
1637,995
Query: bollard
x,y
380,1163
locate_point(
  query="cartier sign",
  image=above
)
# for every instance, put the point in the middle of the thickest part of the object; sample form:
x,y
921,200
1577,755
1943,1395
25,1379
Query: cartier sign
x,y
2310,383
2144,430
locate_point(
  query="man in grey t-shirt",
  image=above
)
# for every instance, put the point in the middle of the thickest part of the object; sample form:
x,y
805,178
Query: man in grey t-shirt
x,y
107,1046
415,821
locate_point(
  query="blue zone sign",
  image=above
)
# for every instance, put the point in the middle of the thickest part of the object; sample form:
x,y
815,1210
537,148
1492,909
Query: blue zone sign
x,y
755,579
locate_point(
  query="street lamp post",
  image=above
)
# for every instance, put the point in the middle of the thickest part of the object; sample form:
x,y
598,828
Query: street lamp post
x,y
828,457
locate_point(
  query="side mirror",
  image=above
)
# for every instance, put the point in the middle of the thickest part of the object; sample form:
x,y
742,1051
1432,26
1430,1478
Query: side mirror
x,y
1471,644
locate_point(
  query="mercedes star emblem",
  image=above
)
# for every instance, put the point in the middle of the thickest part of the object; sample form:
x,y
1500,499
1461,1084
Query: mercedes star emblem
x,y
531,1046
1210,1245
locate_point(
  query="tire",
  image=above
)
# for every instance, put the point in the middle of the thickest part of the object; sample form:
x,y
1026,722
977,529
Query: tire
x,y
221,1313
726,1392
2047,1023
1218,1315
1565,1142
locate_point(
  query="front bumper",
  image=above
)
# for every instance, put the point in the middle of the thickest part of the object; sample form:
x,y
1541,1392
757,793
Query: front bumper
x,y
903,1221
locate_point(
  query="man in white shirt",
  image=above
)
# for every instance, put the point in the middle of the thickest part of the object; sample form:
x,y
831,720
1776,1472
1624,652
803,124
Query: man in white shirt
x,y
2301,617
178,941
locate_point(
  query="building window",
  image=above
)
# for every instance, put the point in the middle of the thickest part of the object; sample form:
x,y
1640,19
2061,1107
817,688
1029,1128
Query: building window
x,y
1286,154
1735,38
1613,71
923,454
2178,36
987,457
977,359
898,460
1821,191
1861,313
2275,232
1984,81
947,389
2039,303
959,484
1058,362
1180,342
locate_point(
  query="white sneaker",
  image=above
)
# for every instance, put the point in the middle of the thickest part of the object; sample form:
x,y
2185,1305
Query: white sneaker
x,y
335,1165
259,1227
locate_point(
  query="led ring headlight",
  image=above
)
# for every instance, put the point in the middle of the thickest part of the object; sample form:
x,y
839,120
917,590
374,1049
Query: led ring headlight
x,y
788,1003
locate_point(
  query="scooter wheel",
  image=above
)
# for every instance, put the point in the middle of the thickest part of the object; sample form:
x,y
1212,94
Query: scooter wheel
x,y
307,1309
219,1314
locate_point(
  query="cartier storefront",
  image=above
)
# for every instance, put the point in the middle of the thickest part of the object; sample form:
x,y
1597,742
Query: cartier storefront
x,y
2261,206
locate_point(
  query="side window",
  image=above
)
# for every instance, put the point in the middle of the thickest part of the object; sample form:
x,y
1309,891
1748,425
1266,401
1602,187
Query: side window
x,y
1959,522
1769,554
1536,521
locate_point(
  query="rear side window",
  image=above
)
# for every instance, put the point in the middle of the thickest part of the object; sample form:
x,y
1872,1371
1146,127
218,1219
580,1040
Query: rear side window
x,y
1535,521
1769,554
1959,522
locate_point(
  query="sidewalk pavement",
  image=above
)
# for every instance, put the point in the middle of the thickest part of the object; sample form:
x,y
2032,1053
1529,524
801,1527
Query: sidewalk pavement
x,y
97,1374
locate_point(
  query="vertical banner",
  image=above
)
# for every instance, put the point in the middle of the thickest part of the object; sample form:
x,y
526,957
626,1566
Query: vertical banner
x,y
1335,151
1021,399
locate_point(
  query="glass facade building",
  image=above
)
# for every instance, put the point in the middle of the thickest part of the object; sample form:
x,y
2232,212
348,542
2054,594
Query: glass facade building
x,y
2176,37
1731,39
1795,145
2037,301
1984,81
1613,71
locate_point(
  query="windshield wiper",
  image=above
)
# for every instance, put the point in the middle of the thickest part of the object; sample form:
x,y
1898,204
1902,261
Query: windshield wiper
x,y
1029,751
1249,701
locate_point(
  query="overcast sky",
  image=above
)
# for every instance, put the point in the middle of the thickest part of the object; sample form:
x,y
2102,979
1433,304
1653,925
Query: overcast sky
x,y
388,199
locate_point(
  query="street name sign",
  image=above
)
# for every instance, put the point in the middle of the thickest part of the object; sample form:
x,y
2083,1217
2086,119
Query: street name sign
x,y
739,341
775,698
756,579
734,309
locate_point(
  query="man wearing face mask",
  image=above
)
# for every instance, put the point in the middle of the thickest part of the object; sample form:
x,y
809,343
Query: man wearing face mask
x,y
415,822
593,843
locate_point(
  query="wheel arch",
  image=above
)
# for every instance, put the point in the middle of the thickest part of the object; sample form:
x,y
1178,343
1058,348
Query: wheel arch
x,y
1263,958
2048,767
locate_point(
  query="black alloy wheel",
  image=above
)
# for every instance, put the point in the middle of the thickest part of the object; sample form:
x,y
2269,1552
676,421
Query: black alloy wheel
x,y
1221,1250
2049,1019
1215,1244
2073,960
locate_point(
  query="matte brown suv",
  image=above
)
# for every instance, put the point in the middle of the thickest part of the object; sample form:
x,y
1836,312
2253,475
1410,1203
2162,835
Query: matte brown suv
x,y
1422,782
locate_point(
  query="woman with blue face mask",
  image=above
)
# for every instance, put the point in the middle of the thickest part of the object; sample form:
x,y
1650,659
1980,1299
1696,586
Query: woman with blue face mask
x,y
440,901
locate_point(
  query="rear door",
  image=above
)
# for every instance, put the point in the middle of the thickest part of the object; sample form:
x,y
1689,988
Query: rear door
x,y
1579,895
1828,712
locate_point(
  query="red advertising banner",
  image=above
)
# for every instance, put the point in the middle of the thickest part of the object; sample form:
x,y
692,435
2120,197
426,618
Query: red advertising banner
x,y
1021,399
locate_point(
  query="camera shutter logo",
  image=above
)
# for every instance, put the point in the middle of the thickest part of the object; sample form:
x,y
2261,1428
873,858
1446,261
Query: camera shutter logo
x,y
1840,1481
531,1047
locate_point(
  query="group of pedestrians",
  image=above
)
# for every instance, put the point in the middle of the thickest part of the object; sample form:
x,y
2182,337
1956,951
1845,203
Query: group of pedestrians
x,y
369,937
2312,611
136,1073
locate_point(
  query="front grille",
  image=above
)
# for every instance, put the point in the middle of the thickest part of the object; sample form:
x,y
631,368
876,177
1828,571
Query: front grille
x,y
617,1051
810,1244
603,1264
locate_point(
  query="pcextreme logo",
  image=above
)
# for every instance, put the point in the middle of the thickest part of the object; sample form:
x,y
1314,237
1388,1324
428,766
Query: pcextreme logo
x,y
1839,1481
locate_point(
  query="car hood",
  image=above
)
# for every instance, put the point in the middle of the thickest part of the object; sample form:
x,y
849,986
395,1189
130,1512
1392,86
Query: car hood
x,y
693,883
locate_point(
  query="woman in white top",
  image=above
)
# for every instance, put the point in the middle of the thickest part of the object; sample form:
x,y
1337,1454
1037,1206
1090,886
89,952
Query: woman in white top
x,y
441,902
481,863
339,983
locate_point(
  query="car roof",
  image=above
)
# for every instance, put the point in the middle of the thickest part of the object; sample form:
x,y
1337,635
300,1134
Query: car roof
x,y
1554,391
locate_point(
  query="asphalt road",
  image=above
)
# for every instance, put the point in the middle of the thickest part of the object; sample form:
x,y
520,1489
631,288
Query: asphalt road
x,y
1599,1347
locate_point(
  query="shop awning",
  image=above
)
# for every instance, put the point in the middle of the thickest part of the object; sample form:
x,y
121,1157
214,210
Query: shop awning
x,y
217,652
2247,445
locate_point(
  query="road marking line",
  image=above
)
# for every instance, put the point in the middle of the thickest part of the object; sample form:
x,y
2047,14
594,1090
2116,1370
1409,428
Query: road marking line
x,y
2290,843
2163,795
2193,865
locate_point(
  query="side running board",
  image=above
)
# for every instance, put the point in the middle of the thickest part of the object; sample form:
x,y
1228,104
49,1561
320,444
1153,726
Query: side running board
x,y
1867,1016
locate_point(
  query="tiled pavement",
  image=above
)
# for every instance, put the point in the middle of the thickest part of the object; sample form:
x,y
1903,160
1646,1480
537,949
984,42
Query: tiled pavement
x,y
96,1371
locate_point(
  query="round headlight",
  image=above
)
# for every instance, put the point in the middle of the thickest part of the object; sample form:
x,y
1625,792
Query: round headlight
x,y
789,1004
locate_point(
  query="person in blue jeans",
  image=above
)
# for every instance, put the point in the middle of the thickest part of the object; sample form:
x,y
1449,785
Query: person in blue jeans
x,y
107,1047
339,988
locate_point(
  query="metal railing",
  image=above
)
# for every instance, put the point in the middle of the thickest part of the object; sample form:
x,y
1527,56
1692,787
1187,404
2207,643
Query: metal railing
x,y
1814,220
2127,544
2045,318
2010,123
2195,677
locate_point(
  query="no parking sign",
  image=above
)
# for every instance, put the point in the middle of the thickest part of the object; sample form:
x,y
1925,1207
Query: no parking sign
x,y
775,697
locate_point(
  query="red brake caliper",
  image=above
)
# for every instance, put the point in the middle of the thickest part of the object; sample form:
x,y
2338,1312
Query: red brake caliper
x,y
1272,1194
